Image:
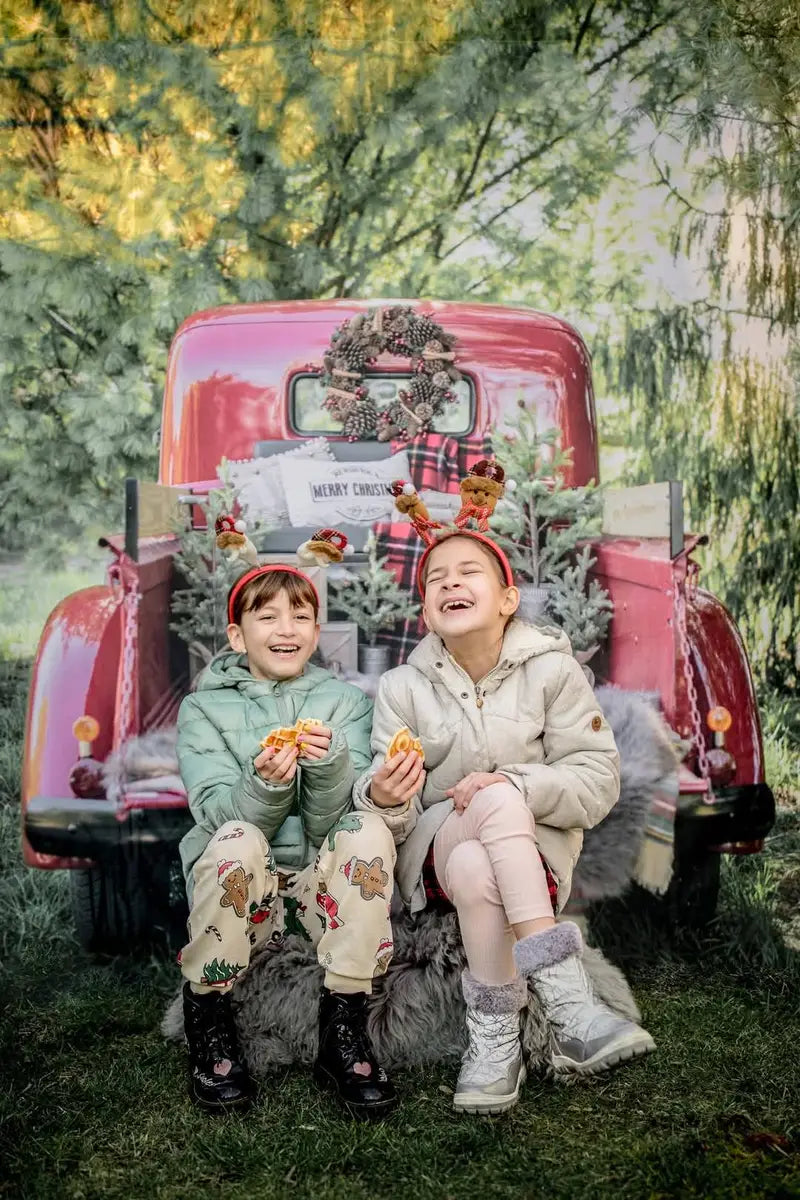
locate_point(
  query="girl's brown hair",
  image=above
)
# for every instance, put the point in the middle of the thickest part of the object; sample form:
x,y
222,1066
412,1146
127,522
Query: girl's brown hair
x,y
266,586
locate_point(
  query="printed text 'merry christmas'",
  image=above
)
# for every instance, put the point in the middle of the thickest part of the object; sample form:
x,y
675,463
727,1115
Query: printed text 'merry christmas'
x,y
344,491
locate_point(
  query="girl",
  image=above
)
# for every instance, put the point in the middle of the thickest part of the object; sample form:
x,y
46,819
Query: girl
x,y
518,761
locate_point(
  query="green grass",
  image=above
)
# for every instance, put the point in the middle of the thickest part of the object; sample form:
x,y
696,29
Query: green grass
x,y
28,595
93,1101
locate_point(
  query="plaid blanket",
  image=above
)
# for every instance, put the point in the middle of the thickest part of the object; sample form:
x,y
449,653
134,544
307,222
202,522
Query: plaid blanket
x,y
437,462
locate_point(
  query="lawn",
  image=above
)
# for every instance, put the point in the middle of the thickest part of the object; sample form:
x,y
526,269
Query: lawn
x,y
94,1104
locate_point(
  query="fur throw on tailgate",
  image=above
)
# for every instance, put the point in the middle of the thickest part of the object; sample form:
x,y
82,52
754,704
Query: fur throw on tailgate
x,y
417,1012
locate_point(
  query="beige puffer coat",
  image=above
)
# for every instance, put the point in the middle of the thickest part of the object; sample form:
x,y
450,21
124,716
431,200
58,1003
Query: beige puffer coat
x,y
533,718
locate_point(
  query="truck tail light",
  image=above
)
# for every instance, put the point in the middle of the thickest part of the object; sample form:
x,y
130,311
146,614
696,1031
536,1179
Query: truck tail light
x,y
86,777
721,763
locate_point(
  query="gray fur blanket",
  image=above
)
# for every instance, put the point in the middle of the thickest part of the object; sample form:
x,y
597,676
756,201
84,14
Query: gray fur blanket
x,y
417,1014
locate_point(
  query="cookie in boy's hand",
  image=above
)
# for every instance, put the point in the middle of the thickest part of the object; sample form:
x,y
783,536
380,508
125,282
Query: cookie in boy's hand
x,y
403,742
278,738
287,736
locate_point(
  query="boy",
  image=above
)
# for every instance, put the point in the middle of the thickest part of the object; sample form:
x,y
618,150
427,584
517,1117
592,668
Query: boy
x,y
273,850
518,761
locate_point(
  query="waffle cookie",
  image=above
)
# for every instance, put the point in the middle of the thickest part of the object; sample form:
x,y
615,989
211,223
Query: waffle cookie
x,y
403,742
287,735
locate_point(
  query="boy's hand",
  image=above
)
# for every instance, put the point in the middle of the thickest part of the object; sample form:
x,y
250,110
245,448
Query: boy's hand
x,y
277,766
463,792
314,743
397,780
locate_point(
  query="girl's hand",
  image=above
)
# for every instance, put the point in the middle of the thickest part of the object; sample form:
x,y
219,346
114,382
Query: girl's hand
x,y
398,780
463,792
314,743
277,766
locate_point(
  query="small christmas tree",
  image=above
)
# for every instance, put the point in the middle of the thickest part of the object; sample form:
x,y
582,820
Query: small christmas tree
x,y
540,524
198,606
372,598
581,607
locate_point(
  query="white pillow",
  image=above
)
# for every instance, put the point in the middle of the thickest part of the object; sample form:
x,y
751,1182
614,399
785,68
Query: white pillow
x,y
260,484
335,493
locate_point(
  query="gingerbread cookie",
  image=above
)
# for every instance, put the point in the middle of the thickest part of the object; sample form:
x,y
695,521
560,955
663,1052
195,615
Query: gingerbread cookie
x,y
235,883
404,742
370,877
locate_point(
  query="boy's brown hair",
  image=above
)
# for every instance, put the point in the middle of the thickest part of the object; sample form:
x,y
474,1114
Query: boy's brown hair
x,y
266,586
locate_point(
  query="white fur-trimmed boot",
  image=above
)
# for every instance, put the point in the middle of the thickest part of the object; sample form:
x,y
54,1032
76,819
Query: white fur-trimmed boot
x,y
492,1070
586,1036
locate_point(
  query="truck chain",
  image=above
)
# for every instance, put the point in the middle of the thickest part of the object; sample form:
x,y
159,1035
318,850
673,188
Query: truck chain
x,y
683,592
126,715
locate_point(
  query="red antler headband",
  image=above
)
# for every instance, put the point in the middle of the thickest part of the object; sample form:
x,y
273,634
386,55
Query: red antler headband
x,y
326,546
480,490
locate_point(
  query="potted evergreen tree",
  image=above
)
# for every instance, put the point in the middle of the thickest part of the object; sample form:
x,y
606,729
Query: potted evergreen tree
x,y
205,575
540,524
373,600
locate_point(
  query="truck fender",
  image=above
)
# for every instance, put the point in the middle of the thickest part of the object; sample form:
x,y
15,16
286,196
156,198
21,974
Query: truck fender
x,y
74,674
723,677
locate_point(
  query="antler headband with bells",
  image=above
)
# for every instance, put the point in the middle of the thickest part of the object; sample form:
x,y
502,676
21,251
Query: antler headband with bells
x,y
325,547
481,488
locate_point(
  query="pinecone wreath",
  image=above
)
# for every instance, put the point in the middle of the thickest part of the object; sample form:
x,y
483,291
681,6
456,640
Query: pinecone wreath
x,y
355,347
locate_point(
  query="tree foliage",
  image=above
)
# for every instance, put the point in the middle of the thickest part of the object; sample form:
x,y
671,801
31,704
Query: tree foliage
x,y
713,380
161,158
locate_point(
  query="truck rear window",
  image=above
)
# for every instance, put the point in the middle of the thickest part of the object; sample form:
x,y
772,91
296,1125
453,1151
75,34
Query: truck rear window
x,y
307,416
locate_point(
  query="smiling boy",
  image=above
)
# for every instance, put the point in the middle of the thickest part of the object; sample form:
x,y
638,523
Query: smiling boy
x,y
272,850
518,762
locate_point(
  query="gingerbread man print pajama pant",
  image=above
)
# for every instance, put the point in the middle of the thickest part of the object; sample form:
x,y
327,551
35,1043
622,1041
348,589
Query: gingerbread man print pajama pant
x,y
340,903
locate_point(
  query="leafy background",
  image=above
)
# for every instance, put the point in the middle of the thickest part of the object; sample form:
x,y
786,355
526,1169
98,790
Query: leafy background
x,y
630,165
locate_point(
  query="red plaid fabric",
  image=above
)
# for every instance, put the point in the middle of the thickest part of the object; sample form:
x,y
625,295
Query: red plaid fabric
x,y
437,899
437,462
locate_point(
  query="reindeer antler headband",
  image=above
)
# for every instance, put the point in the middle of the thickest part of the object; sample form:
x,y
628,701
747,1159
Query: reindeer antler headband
x,y
325,547
482,487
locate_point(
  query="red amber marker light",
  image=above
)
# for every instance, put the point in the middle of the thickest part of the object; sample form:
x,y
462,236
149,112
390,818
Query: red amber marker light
x,y
86,777
85,729
719,720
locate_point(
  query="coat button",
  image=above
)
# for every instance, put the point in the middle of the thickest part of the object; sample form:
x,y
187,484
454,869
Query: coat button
x,y
597,724
440,665
465,695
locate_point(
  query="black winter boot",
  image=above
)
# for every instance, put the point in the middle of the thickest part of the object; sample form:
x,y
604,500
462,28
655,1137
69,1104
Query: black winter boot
x,y
345,1062
218,1078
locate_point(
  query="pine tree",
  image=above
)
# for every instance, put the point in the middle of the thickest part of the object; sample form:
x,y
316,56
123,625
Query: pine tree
x,y
372,598
199,604
540,522
541,525
580,606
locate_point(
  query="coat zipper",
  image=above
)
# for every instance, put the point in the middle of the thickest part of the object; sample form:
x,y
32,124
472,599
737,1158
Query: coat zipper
x,y
478,696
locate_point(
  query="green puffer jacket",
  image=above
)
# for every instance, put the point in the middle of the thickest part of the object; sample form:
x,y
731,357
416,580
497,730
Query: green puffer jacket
x,y
220,726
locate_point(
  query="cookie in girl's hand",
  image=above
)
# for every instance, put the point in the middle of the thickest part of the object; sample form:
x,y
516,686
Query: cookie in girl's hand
x,y
403,742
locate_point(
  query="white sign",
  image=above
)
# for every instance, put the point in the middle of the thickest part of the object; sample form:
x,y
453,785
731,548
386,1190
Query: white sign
x,y
652,510
333,493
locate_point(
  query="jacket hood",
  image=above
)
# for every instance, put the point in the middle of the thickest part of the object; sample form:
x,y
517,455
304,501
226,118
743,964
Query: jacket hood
x,y
229,669
521,642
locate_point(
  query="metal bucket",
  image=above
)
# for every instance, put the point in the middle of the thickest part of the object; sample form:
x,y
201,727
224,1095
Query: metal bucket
x,y
533,602
373,660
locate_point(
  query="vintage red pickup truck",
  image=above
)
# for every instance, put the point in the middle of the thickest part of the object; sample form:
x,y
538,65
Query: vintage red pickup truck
x,y
241,381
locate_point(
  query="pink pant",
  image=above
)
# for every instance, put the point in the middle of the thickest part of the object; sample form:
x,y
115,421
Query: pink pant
x,y
488,863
